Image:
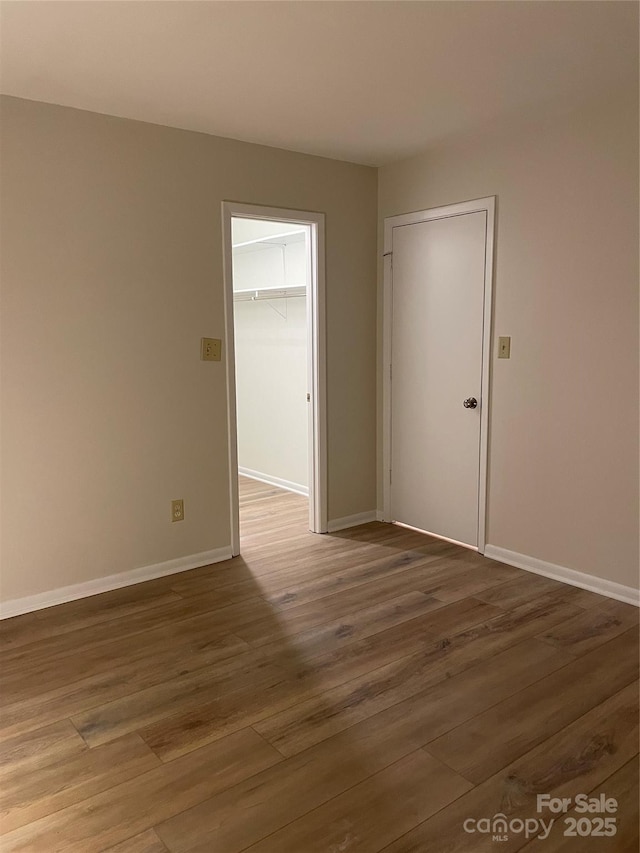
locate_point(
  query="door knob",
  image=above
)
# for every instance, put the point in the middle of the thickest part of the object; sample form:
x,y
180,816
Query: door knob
x,y
470,403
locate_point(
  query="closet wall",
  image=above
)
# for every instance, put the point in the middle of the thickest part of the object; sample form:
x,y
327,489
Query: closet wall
x,y
269,282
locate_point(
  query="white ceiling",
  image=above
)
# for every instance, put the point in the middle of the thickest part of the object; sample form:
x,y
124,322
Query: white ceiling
x,y
369,81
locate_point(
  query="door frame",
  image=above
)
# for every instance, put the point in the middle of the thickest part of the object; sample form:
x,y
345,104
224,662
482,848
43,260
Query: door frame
x,y
316,358
487,205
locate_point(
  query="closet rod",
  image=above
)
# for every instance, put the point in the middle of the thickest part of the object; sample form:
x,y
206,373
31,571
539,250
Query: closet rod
x,y
268,293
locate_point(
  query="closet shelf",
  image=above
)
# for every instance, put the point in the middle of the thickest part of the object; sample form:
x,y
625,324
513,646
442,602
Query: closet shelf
x,y
285,238
256,294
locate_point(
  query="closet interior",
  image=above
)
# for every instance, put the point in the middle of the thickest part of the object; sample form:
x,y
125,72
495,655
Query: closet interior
x,y
271,276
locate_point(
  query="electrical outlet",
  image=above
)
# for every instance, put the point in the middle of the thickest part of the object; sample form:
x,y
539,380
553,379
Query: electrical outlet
x,y
177,510
210,349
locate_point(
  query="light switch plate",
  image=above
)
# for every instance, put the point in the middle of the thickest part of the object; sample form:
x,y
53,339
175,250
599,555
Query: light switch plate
x,y
210,349
504,347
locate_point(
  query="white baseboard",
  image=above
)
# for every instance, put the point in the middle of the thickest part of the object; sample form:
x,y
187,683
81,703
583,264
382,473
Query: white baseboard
x,y
17,606
352,521
560,573
275,481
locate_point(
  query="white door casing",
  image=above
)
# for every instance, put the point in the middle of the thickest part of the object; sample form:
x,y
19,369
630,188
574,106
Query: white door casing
x,y
436,353
316,358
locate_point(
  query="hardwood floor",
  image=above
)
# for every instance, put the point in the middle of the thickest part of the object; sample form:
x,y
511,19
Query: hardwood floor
x,y
369,690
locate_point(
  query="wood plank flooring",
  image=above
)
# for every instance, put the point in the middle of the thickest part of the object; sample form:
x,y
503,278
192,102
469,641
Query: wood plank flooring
x,y
369,690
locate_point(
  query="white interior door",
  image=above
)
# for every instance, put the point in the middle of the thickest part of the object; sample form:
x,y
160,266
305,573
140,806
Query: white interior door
x,y
437,310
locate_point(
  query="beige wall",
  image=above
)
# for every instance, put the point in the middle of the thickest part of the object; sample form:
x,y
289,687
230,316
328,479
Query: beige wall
x,y
111,273
563,471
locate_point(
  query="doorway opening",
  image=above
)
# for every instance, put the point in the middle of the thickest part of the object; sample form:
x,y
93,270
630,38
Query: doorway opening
x,y
274,305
